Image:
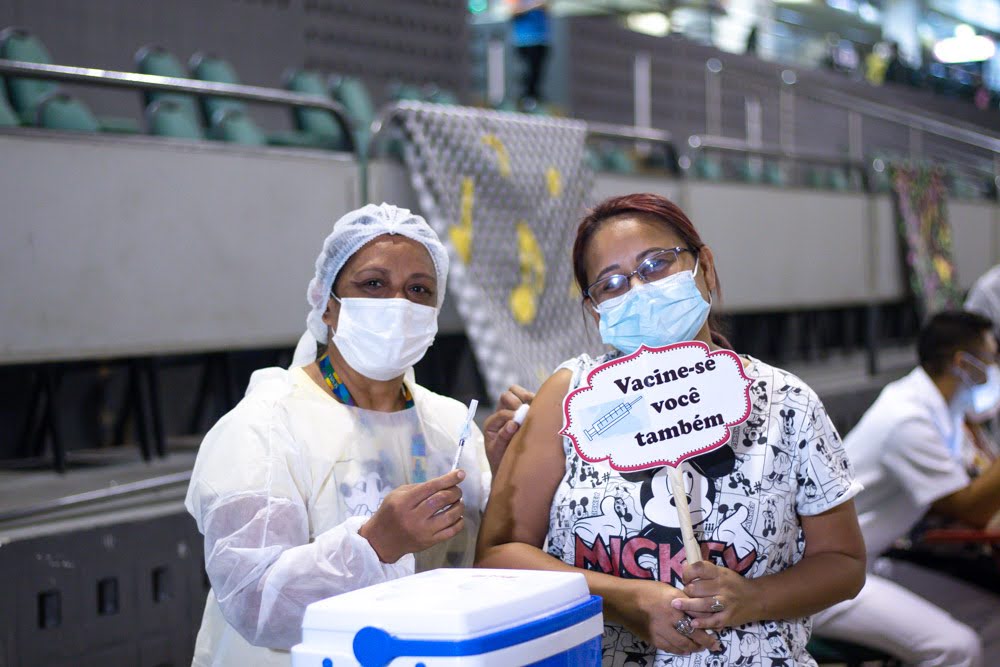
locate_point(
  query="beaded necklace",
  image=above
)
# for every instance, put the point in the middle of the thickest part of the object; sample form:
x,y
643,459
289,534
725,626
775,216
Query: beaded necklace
x,y
418,445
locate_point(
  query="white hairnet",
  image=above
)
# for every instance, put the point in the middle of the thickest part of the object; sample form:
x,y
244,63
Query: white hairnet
x,y
352,232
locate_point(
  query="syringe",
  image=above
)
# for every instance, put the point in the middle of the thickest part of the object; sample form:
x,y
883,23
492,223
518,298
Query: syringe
x,y
609,419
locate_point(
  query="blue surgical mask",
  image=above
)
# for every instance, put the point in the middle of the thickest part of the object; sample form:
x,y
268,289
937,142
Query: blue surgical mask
x,y
983,399
669,310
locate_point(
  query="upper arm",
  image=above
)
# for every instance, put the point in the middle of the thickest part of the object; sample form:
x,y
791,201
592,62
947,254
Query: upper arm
x,y
523,488
834,531
917,456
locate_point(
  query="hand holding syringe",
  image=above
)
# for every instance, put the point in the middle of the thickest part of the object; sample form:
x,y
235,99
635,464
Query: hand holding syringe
x,y
462,437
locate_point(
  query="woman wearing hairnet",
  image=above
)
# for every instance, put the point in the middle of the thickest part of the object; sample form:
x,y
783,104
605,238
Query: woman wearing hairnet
x,y
335,475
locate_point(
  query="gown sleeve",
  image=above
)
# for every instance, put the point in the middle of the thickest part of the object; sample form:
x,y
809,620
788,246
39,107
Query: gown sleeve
x,y
248,494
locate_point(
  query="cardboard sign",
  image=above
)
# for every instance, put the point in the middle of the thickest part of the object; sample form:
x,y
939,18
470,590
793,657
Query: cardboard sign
x,y
657,406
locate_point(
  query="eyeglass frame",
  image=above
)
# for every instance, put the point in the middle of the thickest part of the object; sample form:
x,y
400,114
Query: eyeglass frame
x,y
677,250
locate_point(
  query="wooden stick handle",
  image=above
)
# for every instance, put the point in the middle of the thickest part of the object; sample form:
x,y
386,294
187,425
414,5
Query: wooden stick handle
x,y
692,550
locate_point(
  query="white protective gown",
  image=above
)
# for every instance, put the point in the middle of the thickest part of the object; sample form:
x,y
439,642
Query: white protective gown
x,y
280,488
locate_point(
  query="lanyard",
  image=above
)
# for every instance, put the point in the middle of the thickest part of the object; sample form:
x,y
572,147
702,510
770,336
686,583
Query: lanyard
x,y
339,389
418,446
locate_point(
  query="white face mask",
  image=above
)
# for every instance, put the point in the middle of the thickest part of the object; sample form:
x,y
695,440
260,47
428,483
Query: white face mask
x,y
984,399
381,338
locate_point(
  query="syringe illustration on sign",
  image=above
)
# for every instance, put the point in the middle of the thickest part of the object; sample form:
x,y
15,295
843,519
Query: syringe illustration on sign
x,y
610,418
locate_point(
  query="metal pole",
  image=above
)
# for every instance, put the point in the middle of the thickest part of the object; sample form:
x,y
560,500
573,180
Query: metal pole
x,y
713,97
642,95
855,140
496,75
754,132
786,116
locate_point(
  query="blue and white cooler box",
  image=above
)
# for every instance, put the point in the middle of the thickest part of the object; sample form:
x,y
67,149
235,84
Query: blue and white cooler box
x,y
457,617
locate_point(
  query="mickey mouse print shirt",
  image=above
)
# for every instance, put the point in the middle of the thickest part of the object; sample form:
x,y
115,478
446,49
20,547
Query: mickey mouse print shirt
x,y
789,462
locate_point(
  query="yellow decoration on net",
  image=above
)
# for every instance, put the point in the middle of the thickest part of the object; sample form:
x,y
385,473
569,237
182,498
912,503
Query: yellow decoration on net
x,y
943,268
461,234
554,180
503,159
524,298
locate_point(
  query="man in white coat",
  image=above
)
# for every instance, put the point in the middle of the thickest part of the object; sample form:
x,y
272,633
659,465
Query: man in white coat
x,y
907,452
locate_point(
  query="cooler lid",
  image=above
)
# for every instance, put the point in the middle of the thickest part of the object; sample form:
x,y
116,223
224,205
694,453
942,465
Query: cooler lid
x,y
449,604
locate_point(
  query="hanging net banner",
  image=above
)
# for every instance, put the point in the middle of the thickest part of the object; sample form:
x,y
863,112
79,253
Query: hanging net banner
x,y
919,197
505,192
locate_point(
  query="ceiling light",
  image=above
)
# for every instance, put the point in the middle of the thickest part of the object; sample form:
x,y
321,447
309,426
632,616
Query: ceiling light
x,y
651,23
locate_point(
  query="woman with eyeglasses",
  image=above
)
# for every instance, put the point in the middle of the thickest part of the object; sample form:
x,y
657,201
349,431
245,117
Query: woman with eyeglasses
x,y
777,526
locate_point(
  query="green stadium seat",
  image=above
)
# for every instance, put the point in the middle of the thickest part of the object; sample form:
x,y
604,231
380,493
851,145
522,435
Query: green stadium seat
x,y
236,127
437,95
837,179
507,105
158,61
750,171
774,174
401,92
816,177
59,111
25,94
211,68
618,161
592,159
168,117
7,116
708,168
319,126
354,97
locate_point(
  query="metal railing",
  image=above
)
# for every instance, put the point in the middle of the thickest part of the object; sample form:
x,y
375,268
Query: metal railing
x,y
788,88
136,81
74,501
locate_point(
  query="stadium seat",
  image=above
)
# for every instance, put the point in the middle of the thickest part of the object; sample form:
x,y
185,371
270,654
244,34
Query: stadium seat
x,y
437,95
320,125
838,180
236,127
25,94
708,168
211,68
400,92
353,95
750,170
59,111
158,61
7,116
774,174
169,117
618,161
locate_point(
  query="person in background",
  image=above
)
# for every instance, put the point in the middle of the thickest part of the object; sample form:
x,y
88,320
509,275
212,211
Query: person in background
x,y
876,63
907,451
896,70
984,297
336,475
530,31
784,537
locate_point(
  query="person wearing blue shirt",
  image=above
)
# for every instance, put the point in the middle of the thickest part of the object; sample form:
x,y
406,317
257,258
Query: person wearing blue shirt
x,y
530,34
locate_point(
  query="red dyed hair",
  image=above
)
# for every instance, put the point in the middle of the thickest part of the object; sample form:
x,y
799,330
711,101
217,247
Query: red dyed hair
x,y
652,208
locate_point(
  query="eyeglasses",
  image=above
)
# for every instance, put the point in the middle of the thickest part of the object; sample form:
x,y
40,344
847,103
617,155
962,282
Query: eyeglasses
x,y
658,265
